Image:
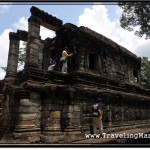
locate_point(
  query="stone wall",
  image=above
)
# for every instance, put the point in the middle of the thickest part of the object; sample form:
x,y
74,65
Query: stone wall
x,y
54,112
109,59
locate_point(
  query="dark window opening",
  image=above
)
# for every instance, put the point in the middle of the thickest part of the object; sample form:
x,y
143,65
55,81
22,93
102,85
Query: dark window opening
x,y
92,61
135,75
52,55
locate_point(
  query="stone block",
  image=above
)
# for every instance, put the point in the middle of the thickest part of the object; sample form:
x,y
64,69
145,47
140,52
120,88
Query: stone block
x,y
25,102
34,139
52,139
34,34
47,107
56,107
74,122
37,41
6,104
45,114
68,108
40,56
28,109
26,124
33,23
85,107
55,114
54,121
58,101
21,135
77,108
38,123
34,46
74,115
35,102
36,29
34,95
27,116
87,120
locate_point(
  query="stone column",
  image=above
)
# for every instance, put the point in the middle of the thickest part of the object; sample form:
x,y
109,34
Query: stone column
x,y
28,115
82,59
33,42
41,55
12,63
58,48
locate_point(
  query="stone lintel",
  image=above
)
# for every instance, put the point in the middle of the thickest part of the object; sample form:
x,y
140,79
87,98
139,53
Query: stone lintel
x,y
23,35
13,35
45,17
35,19
50,26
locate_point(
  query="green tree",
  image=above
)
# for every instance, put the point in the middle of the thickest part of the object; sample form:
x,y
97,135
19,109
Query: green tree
x,y
22,55
4,68
136,14
145,72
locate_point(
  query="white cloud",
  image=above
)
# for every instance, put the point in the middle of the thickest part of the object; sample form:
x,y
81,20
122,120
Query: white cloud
x,y
4,8
97,18
21,24
4,47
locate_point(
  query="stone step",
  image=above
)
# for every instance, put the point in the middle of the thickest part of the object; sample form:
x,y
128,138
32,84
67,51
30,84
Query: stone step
x,y
52,139
59,81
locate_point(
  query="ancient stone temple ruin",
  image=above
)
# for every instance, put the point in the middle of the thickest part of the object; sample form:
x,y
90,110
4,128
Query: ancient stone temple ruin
x,y
40,106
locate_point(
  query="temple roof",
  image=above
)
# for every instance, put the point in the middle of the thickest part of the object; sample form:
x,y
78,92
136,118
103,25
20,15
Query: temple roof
x,y
106,40
100,37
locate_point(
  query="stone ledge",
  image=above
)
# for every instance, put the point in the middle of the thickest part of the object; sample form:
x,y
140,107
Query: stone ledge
x,y
52,139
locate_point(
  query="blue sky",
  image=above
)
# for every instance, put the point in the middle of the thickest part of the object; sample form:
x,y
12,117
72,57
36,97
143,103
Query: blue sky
x,y
101,18
67,13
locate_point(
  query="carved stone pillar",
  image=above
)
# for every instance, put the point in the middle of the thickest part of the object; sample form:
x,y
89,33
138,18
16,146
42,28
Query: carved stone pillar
x,y
12,63
82,60
33,42
27,117
40,59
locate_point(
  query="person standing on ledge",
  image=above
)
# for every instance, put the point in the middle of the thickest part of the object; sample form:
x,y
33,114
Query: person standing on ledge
x,y
63,59
51,65
97,117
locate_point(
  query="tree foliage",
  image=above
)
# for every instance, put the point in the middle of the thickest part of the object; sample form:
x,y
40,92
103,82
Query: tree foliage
x,y
136,14
22,55
145,72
